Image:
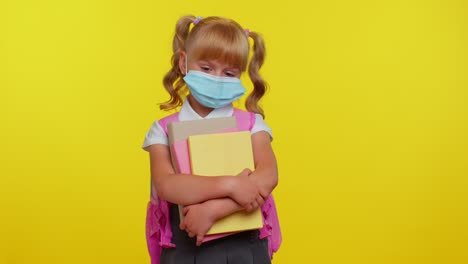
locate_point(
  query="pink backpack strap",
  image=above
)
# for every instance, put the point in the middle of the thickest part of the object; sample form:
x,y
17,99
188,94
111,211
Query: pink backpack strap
x,y
245,120
168,119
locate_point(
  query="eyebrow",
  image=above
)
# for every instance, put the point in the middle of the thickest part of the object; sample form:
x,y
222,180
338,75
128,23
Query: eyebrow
x,y
211,63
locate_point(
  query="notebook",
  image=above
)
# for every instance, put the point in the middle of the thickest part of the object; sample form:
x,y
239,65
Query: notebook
x,y
225,154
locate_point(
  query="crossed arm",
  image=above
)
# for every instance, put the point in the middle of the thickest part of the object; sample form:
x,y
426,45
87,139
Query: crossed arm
x,y
208,199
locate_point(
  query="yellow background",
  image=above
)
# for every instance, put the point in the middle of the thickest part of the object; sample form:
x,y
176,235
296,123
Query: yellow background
x,y
368,104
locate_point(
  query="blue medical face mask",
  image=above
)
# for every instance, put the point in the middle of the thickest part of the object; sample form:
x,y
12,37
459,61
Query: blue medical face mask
x,y
213,91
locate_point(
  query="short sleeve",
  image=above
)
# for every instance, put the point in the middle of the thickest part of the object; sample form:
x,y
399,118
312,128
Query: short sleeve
x,y
155,135
260,125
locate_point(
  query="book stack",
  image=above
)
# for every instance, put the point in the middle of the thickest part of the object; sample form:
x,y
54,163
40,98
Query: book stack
x,y
214,147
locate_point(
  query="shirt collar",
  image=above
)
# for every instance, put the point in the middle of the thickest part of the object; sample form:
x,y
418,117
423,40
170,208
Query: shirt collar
x,y
187,113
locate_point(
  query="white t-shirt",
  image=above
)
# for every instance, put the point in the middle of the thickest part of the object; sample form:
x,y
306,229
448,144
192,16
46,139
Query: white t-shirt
x,y
156,133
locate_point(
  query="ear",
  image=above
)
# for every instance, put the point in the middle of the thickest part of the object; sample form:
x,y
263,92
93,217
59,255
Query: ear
x,y
182,64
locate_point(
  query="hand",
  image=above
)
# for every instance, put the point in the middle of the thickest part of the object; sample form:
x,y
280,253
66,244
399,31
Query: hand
x,y
261,186
245,191
198,219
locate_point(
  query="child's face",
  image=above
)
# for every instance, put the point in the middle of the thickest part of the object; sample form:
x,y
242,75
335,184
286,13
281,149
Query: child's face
x,y
213,67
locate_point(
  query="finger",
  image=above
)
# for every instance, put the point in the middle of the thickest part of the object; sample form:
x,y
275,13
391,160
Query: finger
x,y
182,225
264,195
185,210
245,172
199,240
191,234
254,205
260,200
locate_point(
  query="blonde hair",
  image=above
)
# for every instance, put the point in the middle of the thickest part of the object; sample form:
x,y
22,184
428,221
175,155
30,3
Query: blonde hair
x,y
215,38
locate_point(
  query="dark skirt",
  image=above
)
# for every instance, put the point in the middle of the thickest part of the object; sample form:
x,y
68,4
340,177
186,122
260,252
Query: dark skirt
x,y
241,248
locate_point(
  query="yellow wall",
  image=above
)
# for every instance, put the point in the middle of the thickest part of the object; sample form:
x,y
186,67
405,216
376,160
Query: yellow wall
x,y
368,104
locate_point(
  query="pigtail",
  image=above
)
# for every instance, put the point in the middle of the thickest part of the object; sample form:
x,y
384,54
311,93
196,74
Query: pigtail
x,y
260,86
172,81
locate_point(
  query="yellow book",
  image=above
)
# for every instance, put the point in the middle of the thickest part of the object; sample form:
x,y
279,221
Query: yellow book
x,y
225,154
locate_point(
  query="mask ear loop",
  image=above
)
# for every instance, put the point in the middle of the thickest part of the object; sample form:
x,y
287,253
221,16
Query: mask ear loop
x,y
186,64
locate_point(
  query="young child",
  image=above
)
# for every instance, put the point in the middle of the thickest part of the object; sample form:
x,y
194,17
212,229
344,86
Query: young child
x,y
210,54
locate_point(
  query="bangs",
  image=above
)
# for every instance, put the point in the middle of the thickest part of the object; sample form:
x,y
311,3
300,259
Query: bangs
x,y
219,42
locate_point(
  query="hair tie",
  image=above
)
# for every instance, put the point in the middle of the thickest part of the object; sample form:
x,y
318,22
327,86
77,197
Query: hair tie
x,y
247,31
197,20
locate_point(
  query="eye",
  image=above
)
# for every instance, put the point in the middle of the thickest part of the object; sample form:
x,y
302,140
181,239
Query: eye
x,y
232,72
205,68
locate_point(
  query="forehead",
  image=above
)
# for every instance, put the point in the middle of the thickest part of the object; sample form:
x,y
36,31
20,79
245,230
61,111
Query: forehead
x,y
219,58
233,52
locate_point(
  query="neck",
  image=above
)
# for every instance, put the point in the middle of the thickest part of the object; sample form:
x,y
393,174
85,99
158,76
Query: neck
x,y
200,109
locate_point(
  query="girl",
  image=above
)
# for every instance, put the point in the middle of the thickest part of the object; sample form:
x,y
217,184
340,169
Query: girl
x,y
209,58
